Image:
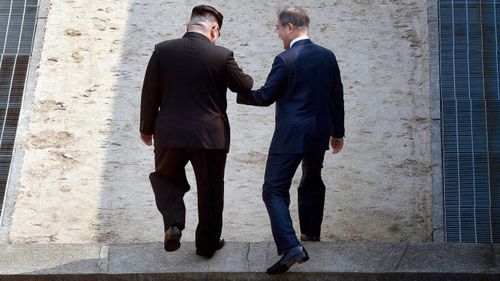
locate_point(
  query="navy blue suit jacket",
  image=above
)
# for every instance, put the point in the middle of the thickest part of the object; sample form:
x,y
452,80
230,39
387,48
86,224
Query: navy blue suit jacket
x,y
305,84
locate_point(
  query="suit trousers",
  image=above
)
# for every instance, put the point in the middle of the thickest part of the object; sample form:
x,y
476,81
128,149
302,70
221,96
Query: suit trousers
x,y
169,184
280,169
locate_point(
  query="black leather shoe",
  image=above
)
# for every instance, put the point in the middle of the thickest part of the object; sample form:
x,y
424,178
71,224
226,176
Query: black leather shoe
x,y
172,239
304,237
210,254
291,256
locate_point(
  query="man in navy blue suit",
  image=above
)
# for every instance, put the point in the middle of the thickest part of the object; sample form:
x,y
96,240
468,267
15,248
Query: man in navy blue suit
x,y
305,83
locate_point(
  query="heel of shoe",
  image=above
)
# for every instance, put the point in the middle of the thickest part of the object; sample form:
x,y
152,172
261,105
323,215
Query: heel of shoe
x,y
172,239
306,258
175,236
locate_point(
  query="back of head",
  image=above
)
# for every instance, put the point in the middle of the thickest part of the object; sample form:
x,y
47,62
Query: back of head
x,y
206,13
295,15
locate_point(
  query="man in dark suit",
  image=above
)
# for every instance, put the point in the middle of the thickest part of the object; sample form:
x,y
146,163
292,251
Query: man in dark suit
x,y
305,84
183,108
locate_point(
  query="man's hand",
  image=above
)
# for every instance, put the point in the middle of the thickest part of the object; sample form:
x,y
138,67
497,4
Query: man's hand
x,y
147,139
337,144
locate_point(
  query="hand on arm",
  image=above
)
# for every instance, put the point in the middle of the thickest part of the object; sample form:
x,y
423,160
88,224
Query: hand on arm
x,y
271,90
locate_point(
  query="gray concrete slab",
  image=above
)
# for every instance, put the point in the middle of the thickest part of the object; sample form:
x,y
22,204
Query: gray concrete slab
x,y
261,276
152,258
326,257
256,251
248,261
35,259
435,120
13,181
43,9
449,257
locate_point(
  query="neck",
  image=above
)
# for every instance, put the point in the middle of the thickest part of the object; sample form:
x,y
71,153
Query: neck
x,y
299,34
294,40
200,31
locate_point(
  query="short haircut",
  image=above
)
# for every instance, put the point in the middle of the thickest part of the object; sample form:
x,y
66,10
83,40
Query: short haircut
x,y
295,15
206,10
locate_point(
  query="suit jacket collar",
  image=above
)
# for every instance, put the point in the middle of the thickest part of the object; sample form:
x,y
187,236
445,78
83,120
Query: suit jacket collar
x,y
302,42
195,35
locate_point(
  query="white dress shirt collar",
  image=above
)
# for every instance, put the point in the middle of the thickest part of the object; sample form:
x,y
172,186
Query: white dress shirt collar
x,y
298,39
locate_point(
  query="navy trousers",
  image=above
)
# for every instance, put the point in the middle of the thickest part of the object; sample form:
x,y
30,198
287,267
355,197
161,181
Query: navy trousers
x,y
280,169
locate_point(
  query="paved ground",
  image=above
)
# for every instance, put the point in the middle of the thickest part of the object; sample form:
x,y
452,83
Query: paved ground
x,y
82,171
248,261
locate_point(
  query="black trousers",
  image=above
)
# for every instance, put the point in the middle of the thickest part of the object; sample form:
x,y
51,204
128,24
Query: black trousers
x,y
169,184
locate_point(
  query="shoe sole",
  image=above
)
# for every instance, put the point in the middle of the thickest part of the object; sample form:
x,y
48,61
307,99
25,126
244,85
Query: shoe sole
x,y
299,261
173,242
303,260
289,264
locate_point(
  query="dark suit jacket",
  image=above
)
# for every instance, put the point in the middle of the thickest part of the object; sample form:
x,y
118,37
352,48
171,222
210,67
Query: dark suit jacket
x,y
305,83
183,100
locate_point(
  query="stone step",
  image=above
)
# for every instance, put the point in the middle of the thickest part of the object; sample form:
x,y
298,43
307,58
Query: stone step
x,y
248,261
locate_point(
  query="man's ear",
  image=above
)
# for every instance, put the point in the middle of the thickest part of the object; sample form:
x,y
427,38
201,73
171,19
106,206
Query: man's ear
x,y
213,35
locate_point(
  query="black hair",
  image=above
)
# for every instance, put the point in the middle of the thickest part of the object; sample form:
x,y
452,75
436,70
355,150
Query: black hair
x,y
203,10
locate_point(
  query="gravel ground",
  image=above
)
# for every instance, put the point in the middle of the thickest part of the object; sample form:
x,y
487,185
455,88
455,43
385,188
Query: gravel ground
x,y
84,173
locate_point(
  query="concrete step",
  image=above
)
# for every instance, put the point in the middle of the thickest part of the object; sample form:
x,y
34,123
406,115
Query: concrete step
x,y
248,261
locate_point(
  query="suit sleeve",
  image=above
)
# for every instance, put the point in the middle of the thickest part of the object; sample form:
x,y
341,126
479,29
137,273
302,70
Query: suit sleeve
x,y
151,95
237,80
272,89
337,104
